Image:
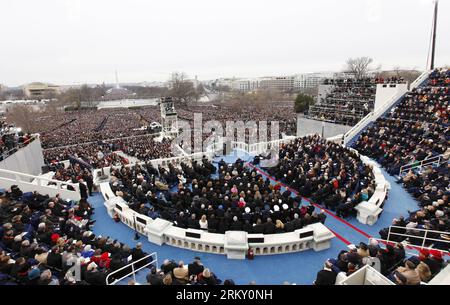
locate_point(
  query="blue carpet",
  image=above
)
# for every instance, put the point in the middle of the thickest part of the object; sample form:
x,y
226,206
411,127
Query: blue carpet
x,y
299,268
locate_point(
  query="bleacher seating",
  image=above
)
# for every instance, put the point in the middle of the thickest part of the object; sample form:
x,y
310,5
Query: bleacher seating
x,y
413,131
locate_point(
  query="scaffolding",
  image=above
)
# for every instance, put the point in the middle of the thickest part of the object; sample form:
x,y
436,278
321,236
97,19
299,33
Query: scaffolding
x,y
169,116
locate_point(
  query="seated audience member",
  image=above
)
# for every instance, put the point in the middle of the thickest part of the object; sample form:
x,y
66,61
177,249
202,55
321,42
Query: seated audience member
x,y
326,276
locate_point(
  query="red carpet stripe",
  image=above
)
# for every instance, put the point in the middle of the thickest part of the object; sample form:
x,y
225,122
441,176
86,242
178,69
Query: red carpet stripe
x,y
308,200
345,241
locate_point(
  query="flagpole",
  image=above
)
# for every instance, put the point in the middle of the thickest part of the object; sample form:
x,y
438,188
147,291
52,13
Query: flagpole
x,y
433,43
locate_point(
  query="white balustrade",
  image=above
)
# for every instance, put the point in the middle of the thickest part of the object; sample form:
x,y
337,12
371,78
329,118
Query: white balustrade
x,y
234,244
43,185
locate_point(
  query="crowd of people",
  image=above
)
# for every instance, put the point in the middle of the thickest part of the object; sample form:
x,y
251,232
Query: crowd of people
x,y
348,101
238,199
415,130
390,260
327,173
41,237
83,126
11,139
103,153
283,113
93,135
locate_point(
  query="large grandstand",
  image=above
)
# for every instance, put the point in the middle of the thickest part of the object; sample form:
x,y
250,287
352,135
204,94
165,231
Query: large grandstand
x,y
205,202
350,190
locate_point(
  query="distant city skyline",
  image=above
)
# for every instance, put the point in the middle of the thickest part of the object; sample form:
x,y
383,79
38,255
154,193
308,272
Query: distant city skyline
x,y
72,42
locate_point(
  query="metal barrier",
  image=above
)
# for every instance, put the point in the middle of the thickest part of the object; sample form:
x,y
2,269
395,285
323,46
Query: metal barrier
x,y
422,237
133,270
435,161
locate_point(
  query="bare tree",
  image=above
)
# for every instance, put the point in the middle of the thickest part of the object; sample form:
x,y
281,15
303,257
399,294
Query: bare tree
x,y
181,88
359,66
71,97
22,116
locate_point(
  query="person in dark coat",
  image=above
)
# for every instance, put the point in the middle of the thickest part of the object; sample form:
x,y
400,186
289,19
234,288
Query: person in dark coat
x,y
136,254
54,258
83,189
269,227
154,278
236,224
89,181
196,267
93,276
168,266
326,276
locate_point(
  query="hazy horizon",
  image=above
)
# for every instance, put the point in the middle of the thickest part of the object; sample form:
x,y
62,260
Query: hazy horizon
x,y
79,41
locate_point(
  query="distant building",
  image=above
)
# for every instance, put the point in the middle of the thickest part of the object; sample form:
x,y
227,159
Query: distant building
x,y
245,85
310,80
38,90
223,83
277,83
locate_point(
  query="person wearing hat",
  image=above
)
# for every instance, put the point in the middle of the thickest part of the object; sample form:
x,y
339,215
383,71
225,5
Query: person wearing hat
x,y
196,267
326,276
276,212
297,222
181,273
34,276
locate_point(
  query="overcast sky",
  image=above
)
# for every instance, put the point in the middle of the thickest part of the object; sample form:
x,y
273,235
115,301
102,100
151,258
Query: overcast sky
x,y
84,41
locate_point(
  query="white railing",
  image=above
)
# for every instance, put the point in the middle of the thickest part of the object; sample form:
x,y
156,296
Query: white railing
x,y
373,116
133,272
435,161
357,128
422,235
43,185
410,249
420,80
160,231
